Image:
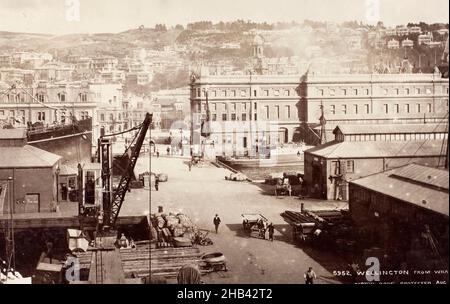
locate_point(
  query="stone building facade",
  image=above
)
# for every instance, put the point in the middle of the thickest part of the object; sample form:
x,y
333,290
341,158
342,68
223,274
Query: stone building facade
x,y
251,112
46,103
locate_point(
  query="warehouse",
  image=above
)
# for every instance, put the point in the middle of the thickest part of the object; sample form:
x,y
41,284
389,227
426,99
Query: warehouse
x,y
33,173
404,210
361,150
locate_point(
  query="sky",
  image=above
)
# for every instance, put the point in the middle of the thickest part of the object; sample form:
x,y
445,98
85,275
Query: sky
x,y
112,16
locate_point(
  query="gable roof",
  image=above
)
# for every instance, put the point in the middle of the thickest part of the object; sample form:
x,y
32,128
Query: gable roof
x,y
26,156
369,149
390,128
411,184
13,134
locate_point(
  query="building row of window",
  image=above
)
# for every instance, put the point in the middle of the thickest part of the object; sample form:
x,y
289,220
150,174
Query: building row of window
x,y
384,91
245,93
62,97
41,116
338,166
225,106
395,137
111,117
320,92
274,112
233,117
387,109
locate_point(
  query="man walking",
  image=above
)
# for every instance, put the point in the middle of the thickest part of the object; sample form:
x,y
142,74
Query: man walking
x,y
310,276
216,222
271,229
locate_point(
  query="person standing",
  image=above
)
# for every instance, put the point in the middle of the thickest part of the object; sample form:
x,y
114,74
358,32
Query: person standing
x,y
216,222
263,230
271,230
190,165
157,153
156,183
168,151
310,276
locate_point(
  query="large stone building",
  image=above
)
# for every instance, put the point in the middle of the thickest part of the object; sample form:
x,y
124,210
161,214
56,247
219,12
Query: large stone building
x,y
109,111
251,112
46,103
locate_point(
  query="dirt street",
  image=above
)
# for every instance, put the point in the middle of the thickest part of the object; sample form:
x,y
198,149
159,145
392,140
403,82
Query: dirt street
x,y
203,192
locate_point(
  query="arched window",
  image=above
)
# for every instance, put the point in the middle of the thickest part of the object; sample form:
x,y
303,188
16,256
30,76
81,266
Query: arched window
x,y
62,97
40,97
83,97
20,98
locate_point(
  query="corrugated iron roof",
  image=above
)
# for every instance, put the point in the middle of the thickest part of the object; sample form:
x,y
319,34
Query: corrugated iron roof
x,y
13,133
26,156
424,175
68,170
366,149
391,128
421,195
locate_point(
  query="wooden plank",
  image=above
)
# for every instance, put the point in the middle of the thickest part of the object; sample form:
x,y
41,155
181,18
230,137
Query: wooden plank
x,y
49,267
106,268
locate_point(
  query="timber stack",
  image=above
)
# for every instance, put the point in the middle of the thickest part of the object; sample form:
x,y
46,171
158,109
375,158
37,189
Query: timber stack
x,y
143,260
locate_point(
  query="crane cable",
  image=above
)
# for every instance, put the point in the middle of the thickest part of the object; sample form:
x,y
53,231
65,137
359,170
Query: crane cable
x,y
444,141
420,147
410,141
40,102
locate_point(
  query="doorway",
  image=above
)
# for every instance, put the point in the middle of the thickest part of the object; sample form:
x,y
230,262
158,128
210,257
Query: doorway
x,y
283,135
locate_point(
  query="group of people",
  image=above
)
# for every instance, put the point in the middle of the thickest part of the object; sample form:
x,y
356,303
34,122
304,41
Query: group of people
x,y
124,242
309,275
264,226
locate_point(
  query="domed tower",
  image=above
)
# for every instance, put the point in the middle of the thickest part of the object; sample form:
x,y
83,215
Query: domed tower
x,y
258,47
259,63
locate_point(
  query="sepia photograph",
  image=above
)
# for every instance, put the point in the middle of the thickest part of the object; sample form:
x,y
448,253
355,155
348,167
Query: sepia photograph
x,y
224,143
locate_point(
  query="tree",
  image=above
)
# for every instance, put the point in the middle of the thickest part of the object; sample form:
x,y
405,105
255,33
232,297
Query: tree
x,y
160,28
179,27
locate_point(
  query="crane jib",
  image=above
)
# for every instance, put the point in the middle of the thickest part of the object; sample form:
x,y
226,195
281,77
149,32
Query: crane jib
x,y
119,194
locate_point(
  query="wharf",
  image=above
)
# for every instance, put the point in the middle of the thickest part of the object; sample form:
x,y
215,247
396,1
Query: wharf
x,y
64,219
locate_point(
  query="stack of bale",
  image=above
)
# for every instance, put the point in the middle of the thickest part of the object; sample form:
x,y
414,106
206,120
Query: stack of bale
x,y
167,226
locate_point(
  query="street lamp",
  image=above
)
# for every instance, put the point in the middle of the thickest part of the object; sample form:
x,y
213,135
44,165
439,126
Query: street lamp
x,y
420,62
181,141
57,171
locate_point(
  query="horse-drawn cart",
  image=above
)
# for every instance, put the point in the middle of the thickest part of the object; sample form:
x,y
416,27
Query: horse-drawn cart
x,y
254,224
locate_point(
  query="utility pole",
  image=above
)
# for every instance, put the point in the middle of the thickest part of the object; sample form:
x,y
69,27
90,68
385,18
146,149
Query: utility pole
x,y
323,122
10,245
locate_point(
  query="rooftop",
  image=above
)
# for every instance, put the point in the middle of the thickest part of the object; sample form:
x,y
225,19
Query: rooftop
x,y
348,129
372,149
419,185
26,156
13,134
319,78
